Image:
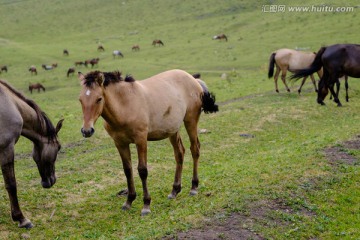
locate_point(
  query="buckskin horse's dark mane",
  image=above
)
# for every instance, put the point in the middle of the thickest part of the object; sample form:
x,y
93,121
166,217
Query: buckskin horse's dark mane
x,y
48,129
109,77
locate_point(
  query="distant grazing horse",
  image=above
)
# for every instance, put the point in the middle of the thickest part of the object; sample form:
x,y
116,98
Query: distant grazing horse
x,y
148,110
33,70
70,71
336,60
3,69
196,75
117,53
49,67
66,52
135,48
101,48
79,63
220,37
157,42
92,62
21,116
290,60
37,86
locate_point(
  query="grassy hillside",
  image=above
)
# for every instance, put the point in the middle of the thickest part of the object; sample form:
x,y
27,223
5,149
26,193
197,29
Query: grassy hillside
x,y
283,163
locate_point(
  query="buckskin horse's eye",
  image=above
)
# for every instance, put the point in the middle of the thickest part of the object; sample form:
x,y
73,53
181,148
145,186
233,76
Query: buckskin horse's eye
x,y
98,100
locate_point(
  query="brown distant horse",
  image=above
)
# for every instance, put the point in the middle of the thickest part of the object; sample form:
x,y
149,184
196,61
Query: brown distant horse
x,y
196,75
157,42
3,69
79,63
70,71
37,86
92,62
148,110
21,116
336,60
33,70
66,52
135,48
220,37
101,48
290,60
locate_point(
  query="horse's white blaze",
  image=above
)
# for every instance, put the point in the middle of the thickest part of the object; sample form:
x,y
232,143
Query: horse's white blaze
x,y
88,92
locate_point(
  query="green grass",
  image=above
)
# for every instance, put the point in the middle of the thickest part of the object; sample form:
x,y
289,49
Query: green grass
x,y
284,161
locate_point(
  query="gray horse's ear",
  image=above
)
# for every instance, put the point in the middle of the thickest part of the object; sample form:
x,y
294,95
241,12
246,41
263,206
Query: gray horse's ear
x,y
58,126
100,79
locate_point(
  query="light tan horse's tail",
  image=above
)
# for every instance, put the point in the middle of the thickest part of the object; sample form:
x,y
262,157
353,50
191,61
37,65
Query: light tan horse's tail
x,y
208,99
271,65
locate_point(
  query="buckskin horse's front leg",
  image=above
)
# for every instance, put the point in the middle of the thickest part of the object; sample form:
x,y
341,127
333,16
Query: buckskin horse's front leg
x,y
125,155
7,168
143,172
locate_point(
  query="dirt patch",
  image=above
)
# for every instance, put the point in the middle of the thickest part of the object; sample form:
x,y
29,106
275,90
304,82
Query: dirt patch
x,y
242,225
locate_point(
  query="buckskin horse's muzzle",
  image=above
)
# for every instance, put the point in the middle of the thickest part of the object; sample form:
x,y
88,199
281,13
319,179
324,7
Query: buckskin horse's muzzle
x,y
87,132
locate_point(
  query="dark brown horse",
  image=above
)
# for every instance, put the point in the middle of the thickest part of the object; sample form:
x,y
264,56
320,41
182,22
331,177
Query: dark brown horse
x,y
37,86
135,48
33,70
20,116
65,52
157,42
148,110
220,37
336,60
70,71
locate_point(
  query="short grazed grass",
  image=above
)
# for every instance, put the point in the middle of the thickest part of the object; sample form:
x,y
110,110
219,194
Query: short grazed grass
x,y
262,147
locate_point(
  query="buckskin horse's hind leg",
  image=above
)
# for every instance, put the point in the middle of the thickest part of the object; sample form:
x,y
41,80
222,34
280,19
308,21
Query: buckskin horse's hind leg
x,y
143,172
7,168
191,128
179,151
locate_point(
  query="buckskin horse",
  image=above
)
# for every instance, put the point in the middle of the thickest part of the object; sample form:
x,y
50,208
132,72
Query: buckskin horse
x,y
337,61
20,116
148,110
290,60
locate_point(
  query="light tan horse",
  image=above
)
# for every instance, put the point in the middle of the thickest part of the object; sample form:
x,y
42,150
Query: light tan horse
x,y
290,60
21,116
148,110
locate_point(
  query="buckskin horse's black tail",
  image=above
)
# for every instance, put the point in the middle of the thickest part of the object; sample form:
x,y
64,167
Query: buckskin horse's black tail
x,y
315,66
271,65
208,99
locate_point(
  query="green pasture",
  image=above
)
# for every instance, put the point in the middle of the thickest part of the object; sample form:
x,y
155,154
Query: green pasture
x,y
262,148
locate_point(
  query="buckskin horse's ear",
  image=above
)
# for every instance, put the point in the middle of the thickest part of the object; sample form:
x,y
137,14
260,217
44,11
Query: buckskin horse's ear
x,y
81,77
100,78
